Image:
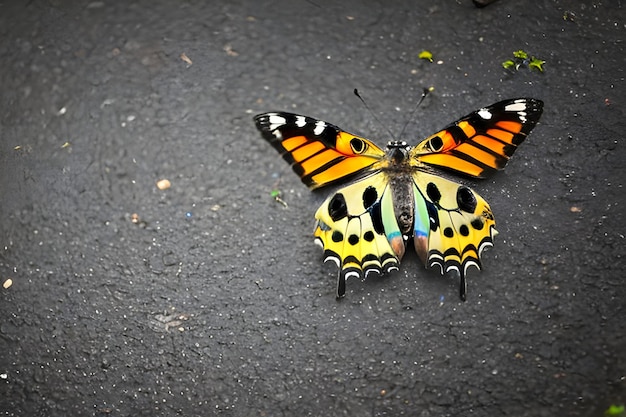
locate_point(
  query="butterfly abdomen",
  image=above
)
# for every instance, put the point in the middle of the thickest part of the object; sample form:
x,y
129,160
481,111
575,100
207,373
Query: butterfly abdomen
x,y
403,203
398,172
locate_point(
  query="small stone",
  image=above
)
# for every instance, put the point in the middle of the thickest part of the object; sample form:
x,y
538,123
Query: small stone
x,y
163,184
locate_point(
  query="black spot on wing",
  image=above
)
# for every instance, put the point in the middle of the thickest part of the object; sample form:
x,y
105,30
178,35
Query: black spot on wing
x,y
465,199
478,223
357,145
337,208
436,144
377,218
433,192
370,195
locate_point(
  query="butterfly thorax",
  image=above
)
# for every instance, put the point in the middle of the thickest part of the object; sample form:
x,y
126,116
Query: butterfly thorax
x,y
397,158
399,172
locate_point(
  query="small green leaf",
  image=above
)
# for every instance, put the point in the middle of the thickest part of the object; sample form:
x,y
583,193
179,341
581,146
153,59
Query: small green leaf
x,y
426,55
508,64
276,196
536,63
615,411
520,54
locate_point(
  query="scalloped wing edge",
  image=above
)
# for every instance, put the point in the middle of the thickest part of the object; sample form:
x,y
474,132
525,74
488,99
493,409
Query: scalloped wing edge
x,y
438,259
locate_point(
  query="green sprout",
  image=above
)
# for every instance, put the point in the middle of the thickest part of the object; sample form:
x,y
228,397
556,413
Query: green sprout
x,y
508,64
427,55
520,54
275,194
615,411
521,58
536,63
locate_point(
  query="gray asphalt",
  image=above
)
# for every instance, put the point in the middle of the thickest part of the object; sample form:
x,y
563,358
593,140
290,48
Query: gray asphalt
x,y
210,298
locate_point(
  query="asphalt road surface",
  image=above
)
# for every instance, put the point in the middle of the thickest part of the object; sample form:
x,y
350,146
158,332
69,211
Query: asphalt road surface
x,y
209,297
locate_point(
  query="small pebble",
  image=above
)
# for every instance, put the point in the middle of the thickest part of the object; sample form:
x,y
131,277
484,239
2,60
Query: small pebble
x,y
163,184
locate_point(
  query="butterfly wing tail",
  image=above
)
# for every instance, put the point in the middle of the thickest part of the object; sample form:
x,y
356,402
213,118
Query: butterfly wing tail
x,y
351,230
460,225
356,249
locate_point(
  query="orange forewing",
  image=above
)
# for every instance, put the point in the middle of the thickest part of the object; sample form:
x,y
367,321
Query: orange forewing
x,y
482,142
319,152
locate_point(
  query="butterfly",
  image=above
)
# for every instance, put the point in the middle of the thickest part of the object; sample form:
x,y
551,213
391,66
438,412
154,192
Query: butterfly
x,y
396,197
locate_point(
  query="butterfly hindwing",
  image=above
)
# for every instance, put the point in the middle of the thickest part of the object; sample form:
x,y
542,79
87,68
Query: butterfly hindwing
x,y
459,221
319,152
356,227
482,142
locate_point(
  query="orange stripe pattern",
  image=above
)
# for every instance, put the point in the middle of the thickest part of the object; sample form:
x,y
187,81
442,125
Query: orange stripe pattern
x,y
482,142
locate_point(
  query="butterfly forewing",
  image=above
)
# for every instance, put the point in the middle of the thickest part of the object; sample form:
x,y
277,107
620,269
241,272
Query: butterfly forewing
x,y
319,152
482,142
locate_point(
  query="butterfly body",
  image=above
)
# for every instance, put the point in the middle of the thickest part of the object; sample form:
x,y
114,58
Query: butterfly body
x,y
397,200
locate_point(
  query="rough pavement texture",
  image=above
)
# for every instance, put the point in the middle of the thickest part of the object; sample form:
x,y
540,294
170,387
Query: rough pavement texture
x,y
209,298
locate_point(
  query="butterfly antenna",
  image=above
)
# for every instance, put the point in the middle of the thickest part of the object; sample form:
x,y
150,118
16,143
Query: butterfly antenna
x,y
319,7
424,94
356,93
